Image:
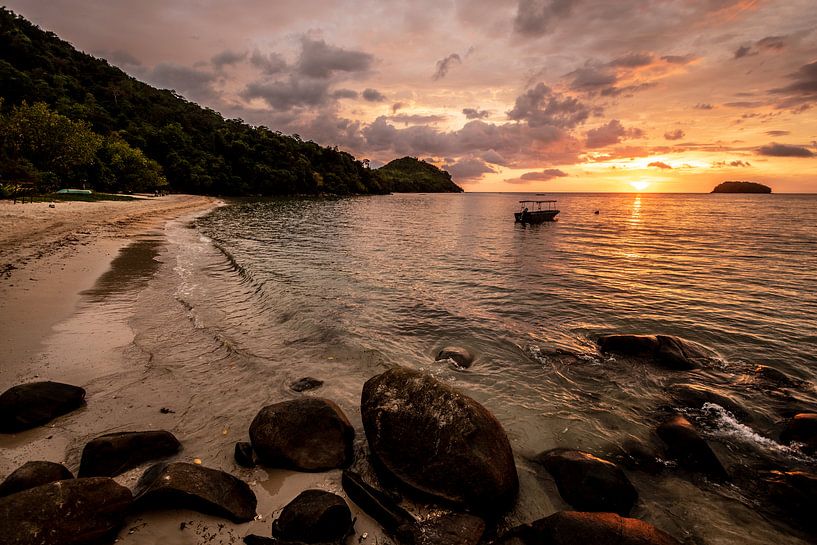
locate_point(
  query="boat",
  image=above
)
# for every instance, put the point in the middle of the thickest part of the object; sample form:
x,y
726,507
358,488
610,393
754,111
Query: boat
x,y
536,212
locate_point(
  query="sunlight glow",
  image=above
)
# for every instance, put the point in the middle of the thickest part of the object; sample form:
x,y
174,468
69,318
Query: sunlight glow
x,y
640,185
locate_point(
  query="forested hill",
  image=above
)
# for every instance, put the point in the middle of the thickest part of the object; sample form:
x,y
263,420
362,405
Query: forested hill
x,y
411,175
115,133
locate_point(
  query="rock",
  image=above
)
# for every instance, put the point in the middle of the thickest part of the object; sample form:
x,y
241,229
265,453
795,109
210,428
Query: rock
x,y
690,449
307,434
589,483
448,529
664,350
244,454
306,383
114,453
68,512
30,405
577,528
375,503
180,485
32,474
462,357
802,429
437,441
794,494
636,455
775,377
314,516
694,396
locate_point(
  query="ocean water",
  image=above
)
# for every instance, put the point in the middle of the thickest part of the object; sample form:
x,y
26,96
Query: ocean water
x,y
255,295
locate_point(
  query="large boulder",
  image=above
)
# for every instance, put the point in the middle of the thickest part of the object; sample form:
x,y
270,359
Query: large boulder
x,y
447,529
437,441
30,405
180,485
314,516
686,445
666,351
694,396
802,429
462,357
579,528
114,453
589,483
306,434
70,512
33,474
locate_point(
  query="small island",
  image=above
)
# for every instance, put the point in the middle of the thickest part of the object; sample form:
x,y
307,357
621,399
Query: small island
x,y
742,187
412,175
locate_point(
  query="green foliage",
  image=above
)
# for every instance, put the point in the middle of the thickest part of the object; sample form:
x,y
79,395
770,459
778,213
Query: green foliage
x,y
127,168
409,175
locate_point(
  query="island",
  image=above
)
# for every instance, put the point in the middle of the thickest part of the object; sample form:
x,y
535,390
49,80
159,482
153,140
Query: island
x,y
412,175
742,187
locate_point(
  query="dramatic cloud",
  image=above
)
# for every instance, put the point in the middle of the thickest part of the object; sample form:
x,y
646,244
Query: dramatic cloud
x,y
540,106
633,60
611,133
802,89
659,164
417,119
444,65
592,78
188,82
269,64
291,92
468,169
547,174
344,93
475,113
784,150
769,43
227,58
373,95
321,60
677,134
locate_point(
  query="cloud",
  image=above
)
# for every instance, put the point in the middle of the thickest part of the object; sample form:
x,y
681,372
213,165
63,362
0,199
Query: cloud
x,y
373,95
547,174
227,58
784,150
778,133
659,164
417,119
803,89
535,17
321,60
396,106
189,82
677,134
470,168
704,106
270,64
611,133
444,65
735,163
120,57
633,60
344,93
592,78
541,106
769,43
679,59
291,92
744,51
475,113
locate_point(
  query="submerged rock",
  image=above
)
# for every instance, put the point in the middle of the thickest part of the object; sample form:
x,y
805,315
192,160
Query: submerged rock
x,y
437,441
307,434
448,529
32,474
664,350
577,528
794,495
687,446
30,405
695,396
589,483
802,429
775,377
114,453
314,516
69,512
180,485
244,454
306,383
375,503
462,357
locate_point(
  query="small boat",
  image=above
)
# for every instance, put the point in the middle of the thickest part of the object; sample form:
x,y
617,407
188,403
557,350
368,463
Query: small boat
x,y
534,212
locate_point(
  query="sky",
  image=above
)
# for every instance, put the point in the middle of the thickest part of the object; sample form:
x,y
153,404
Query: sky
x,y
507,95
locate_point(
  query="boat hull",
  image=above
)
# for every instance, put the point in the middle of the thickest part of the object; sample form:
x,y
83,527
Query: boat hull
x,y
536,217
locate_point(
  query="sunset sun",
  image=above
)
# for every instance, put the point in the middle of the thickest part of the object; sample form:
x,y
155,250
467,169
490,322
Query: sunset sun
x,y
640,186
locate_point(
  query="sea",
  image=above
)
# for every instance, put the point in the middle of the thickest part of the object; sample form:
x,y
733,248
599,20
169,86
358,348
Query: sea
x,y
232,307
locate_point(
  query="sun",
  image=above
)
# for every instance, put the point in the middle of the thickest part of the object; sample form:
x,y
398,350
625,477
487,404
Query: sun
x,y
641,186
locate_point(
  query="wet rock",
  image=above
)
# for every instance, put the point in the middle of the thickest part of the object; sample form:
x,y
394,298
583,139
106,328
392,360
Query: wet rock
x,y
180,485
32,474
30,405
448,529
307,434
244,454
375,503
589,483
636,455
437,441
794,495
577,528
694,396
664,350
462,357
68,512
314,516
306,383
802,429
114,453
775,377
687,446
